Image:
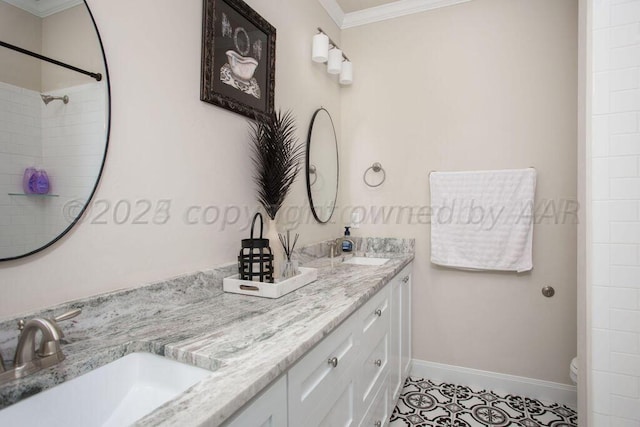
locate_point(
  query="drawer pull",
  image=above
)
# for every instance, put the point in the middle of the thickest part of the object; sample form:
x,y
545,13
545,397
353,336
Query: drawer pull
x,y
378,362
333,361
378,312
378,423
405,279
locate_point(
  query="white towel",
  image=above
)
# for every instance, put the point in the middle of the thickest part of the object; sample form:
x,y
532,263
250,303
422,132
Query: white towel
x,y
483,220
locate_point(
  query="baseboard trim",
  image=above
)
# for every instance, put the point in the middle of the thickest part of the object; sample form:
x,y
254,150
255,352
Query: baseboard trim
x,y
502,383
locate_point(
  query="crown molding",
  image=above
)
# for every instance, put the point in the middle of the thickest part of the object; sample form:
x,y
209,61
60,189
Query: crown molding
x,y
44,9
334,10
382,13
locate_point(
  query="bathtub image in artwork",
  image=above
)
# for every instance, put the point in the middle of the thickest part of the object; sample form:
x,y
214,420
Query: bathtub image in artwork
x,y
238,59
241,63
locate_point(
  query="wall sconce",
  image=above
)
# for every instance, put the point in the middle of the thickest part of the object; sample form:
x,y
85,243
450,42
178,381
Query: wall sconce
x,y
325,50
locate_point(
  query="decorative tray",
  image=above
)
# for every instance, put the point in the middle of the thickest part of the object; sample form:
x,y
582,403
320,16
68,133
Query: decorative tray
x,y
269,290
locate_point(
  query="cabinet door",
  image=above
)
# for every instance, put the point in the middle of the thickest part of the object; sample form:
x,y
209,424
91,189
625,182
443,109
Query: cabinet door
x,y
268,410
400,351
321,384
405,338
395,361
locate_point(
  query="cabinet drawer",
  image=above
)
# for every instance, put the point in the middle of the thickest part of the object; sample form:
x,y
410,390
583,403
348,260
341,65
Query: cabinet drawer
x,y
377,414
342,412
269,409
322,381
374,369
374,316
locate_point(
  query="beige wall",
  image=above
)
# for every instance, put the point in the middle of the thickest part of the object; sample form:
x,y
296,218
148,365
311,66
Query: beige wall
x,y
69,36
487,84
21,29
168,145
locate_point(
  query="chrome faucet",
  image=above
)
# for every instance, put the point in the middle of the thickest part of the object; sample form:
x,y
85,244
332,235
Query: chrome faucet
x,y
28,359
49,343
332,247
332,250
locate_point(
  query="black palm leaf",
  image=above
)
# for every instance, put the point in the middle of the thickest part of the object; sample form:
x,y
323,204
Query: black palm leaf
x,y
276,157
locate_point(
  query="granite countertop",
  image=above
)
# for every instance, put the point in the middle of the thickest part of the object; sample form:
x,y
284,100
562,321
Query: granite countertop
x,y
245,341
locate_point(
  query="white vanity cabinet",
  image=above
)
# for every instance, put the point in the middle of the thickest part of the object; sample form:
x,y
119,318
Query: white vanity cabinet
x,y
373,351
353,377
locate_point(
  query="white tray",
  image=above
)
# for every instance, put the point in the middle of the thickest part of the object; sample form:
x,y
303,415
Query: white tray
x,y
269,290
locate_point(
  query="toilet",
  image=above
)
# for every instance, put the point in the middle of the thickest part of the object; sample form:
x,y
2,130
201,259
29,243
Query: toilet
x,y
573,370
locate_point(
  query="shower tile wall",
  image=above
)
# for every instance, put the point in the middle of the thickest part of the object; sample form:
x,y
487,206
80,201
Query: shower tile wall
x,y
73,138
615,151
21,218
65,140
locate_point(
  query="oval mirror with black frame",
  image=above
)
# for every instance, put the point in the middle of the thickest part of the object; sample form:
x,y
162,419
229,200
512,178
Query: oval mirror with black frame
x,y
54,120
322,166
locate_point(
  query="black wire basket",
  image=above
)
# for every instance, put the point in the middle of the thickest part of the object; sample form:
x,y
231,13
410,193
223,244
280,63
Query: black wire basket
x,y
255,261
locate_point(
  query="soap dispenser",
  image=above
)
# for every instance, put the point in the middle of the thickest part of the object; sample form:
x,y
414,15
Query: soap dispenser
x,y
347,243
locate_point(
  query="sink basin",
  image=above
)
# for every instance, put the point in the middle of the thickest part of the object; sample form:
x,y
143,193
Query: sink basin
x,y
358,260
116,394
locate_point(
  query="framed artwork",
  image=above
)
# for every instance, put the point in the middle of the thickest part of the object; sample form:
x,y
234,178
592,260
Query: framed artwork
x,y
238,58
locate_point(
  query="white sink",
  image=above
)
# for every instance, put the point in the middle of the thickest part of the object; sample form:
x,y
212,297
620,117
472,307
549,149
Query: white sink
x,y
116,394
358,260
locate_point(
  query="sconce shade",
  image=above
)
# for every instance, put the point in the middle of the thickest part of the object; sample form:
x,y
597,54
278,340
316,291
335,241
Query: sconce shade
x,y
334,64
325,50
346,75
320,50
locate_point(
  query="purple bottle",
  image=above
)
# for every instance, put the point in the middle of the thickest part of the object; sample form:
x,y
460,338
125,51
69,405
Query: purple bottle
x,y
26,180
41,182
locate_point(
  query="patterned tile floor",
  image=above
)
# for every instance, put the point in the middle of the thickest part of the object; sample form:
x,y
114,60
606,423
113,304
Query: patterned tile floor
x,y
424,403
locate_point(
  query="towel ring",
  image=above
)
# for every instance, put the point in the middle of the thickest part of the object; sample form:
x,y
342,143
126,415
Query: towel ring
x,y
376,167
312,171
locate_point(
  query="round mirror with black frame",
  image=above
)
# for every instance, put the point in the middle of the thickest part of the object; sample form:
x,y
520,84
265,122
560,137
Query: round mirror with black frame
x,y
322,166
54,120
